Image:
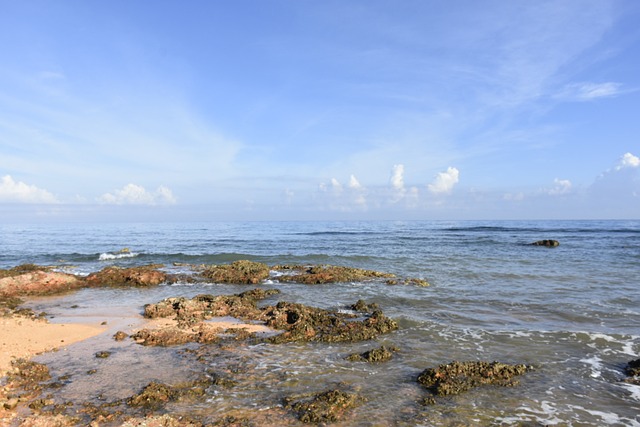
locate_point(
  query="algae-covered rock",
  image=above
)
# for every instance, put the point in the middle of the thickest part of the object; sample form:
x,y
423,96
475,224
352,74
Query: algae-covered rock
x,y
238,272
317,274
201,307
174,335
458,377
155,395
143,276
547,242
376,355
633,371
303,323
327,406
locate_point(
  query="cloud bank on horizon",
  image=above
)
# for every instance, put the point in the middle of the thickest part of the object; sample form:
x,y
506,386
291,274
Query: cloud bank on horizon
x,y
320,110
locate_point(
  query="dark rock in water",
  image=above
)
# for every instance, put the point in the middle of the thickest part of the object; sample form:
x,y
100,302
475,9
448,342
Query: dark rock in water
x,y
143,276
459,377
302,323
168,336
156,395
633,371
103,354
328,406
377,355
238,272
547,243
120,336
318,274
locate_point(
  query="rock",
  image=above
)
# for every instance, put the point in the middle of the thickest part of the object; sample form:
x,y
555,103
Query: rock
x,y
103,354
143,276
377,355
238,272
547,243
318,274
174,335
303,323
633,371
120,336
328,406
36,281
458,377
156,395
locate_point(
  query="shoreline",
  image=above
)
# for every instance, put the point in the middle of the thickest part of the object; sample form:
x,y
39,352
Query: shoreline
x,y
23,338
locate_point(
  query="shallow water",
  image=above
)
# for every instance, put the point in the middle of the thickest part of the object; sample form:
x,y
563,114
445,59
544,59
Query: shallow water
x,y
571,312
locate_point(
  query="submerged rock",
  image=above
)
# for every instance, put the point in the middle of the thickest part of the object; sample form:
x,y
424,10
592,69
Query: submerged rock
x,y
547,243
303,323
174,335
327,406
143,276
459,377
155,395
376,355
633,371
318,274
238,272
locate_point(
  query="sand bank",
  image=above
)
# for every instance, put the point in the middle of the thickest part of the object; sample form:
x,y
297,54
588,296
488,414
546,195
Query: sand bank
x,y
21,337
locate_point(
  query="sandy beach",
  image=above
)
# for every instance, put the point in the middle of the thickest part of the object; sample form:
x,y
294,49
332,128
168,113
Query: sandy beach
x,y
21,337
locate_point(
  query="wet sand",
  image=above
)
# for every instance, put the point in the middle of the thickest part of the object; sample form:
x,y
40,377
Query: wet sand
x,y
21,337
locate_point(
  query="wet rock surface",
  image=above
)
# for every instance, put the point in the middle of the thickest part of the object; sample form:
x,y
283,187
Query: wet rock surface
x,y
327,406
318,274
459,377
238,272
549,243
633,372
376,355
143,276
30,279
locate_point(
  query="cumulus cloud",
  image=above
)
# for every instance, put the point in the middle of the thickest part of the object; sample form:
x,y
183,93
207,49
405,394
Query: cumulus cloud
x,y
397,183
132,194
339,198
587,91
561,186
354,184
628,160
17,191
445,181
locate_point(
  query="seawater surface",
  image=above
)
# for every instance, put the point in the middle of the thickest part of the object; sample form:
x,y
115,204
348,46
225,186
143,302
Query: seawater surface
x,y
572,312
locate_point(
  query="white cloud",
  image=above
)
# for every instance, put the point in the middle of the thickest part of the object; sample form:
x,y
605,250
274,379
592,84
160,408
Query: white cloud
x,y
562,186
132,194
445,181
628,160
397,183
587,91
354,183
12,191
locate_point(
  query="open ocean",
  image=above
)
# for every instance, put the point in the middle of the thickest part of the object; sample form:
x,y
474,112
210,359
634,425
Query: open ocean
x,y
573,312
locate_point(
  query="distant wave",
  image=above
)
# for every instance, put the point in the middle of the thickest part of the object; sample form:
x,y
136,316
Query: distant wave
x,y
108,256
337,233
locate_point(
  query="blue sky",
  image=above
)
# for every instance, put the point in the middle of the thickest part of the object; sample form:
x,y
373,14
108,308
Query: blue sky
x,y
298,109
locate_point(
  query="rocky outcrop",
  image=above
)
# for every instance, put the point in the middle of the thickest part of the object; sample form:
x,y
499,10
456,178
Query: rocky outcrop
x,y
318,274
547,243
459,377
325,407
30,279
633,372
143,276
239,272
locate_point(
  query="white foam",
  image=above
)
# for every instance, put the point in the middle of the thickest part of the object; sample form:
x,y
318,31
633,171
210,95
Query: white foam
x,y
107,256
596,366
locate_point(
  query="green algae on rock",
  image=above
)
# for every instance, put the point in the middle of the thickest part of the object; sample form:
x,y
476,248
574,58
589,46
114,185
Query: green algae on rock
x,y
376,355
238,272
327,406
318,274
155,395
459,377
142,276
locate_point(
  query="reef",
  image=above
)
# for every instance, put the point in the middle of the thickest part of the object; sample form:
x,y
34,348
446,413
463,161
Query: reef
x,y
143,276
238,272
327,406
30,279
318,274
459,377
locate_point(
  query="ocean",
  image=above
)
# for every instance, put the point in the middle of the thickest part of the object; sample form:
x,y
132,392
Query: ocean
x,y
572,312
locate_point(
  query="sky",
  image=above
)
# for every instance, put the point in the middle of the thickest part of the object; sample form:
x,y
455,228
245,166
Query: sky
x,y
319,110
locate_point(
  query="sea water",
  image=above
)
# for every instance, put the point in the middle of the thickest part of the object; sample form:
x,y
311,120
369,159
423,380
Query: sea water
x,y
572,312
